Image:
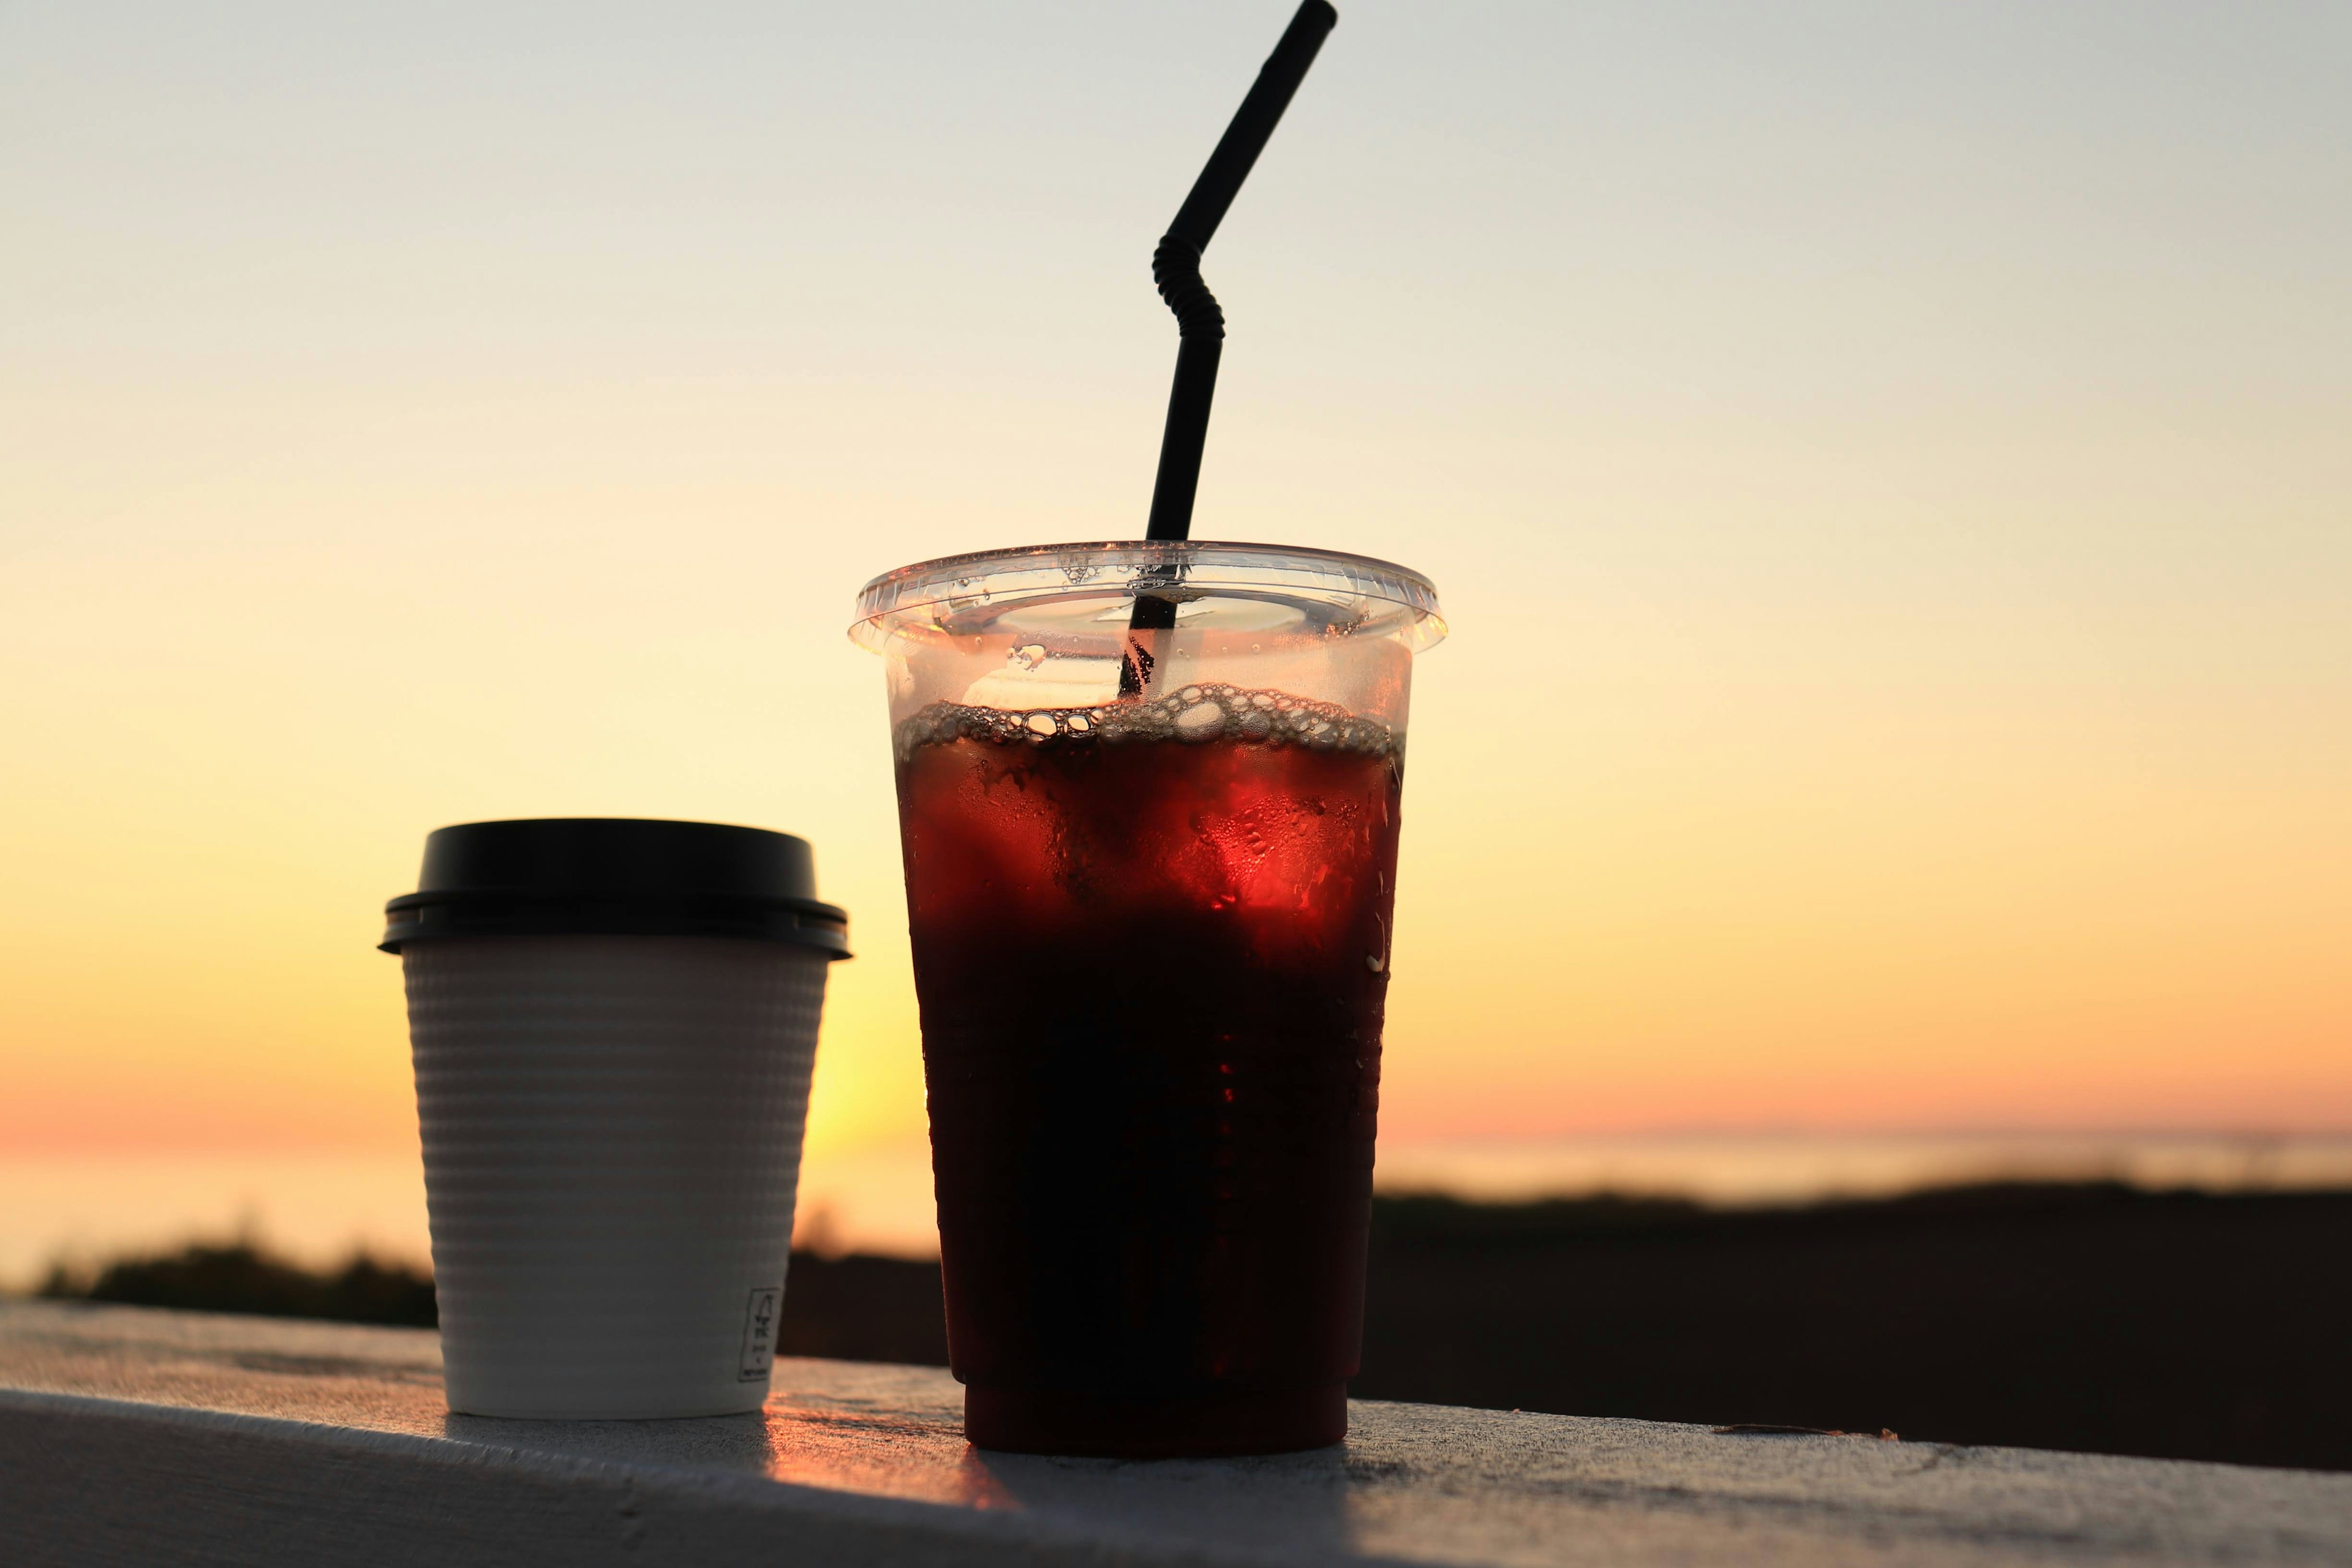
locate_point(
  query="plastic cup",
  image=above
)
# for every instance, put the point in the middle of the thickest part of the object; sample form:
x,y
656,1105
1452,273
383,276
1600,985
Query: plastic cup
x,y
613,1023
1149,880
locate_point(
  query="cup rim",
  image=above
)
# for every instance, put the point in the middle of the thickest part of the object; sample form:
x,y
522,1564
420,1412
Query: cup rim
x,y
1123,568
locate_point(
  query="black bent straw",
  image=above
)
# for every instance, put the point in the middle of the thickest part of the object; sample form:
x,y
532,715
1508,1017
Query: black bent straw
x,y
1176,265
1176,268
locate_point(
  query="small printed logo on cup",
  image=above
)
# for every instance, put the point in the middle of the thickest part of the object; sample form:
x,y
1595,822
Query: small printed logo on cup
x,y
760,1333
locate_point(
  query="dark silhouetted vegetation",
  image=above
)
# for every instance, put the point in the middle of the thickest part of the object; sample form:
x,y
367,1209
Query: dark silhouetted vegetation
x,y
852,1309
240,1277
2100,1317
861,1307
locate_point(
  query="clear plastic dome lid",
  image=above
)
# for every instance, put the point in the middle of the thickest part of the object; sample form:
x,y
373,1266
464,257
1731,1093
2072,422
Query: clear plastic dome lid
x,y
1089,589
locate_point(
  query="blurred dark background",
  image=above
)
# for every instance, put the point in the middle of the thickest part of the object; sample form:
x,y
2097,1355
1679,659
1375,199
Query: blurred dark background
x,y
2091,1317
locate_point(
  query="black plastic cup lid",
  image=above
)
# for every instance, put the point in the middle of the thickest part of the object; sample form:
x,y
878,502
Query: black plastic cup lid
x,y
615,876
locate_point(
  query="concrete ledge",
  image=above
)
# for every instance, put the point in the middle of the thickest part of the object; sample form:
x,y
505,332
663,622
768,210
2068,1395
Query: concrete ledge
x,y
132,1435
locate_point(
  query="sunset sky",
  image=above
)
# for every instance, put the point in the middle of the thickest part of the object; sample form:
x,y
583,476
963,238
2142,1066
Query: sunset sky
x,y
1885,468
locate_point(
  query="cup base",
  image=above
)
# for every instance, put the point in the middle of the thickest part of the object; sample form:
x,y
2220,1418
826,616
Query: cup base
x,y
1050,1421
634,1410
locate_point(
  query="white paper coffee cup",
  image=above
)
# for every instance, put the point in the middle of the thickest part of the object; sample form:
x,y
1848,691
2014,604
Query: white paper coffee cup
x,y
611,1118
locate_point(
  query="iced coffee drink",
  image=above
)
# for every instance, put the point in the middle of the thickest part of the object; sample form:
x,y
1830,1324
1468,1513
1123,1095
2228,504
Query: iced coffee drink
x,y
1151,927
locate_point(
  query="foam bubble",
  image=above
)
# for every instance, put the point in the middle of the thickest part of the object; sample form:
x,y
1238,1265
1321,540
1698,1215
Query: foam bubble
x,y
1201,721
1197,714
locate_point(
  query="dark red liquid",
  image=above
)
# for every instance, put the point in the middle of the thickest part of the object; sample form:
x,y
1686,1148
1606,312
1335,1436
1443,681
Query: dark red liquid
x,y
1152,971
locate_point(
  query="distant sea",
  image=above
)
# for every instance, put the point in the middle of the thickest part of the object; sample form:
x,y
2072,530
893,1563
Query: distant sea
x,y
320,1206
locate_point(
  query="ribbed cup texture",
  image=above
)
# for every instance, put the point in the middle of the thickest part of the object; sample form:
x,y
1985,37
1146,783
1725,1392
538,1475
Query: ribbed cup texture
x,y
612,1131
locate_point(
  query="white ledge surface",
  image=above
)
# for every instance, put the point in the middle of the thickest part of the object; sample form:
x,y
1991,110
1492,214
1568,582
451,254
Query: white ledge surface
x,y
169,1438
